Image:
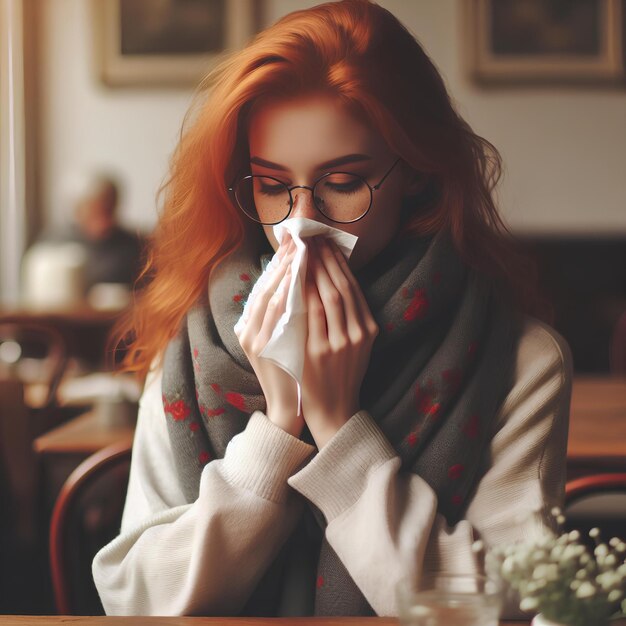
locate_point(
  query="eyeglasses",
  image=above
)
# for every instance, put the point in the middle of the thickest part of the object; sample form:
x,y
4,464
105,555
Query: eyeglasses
x,y
341,196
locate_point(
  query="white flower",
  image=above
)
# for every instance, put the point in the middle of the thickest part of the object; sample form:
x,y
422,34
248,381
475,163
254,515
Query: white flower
x,y
529,604
572,552
508,565
556,552
557,572
609,580
546,571
601,550
586,590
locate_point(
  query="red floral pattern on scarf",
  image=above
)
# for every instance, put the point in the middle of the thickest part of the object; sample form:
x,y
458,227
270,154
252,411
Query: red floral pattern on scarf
x,y
424,400
455,471
178,410
418,306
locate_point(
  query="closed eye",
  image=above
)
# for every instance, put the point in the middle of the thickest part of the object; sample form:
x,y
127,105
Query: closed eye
x,y
271,190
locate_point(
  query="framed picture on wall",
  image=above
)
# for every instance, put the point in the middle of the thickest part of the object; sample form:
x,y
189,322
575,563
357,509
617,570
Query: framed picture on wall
x,y
545,41
169,42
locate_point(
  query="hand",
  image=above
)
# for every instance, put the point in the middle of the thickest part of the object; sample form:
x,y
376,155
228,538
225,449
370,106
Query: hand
x,y
341,332
279,389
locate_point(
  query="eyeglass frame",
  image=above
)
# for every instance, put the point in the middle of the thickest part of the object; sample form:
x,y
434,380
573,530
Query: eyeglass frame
x,y
372,189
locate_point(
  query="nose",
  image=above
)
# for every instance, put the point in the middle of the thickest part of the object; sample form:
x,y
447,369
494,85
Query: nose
x,y
303,205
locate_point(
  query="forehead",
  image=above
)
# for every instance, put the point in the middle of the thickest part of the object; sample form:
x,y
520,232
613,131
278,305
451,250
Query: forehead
x,y
307,130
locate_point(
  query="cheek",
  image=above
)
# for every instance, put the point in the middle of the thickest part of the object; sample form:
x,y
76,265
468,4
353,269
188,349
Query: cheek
x,y
384,216
379,225
269,234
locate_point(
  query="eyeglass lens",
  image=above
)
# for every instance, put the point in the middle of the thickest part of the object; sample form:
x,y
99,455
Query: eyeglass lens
x,y
342,197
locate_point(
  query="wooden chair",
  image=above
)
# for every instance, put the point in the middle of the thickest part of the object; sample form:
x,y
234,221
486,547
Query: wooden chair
x,y
598,501
28,351
87,515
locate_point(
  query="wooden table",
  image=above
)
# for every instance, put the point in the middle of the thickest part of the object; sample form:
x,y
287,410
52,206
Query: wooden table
x,y
37,620
84,435
597,432
84,329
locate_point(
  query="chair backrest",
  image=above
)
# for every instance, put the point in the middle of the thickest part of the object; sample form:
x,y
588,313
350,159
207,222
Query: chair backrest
x,y
87,515
617,356
598,501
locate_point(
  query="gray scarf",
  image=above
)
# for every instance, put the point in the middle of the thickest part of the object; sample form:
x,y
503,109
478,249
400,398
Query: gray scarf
x,y
438,373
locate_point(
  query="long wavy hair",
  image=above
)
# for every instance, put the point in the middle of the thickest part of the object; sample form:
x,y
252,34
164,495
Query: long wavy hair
x,y
361,54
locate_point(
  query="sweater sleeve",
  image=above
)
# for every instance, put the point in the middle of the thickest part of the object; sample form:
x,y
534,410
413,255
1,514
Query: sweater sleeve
x,y
383,522
206,557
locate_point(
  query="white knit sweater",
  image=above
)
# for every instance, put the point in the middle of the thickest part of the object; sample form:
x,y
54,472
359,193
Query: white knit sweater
x,y
205,558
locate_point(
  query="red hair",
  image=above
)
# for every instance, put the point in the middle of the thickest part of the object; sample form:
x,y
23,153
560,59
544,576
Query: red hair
x,y
360,53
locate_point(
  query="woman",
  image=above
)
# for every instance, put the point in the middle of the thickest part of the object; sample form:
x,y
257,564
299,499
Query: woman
x,y
434,402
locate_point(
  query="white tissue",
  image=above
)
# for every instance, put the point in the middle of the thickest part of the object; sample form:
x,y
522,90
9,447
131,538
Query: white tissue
x,y
286,346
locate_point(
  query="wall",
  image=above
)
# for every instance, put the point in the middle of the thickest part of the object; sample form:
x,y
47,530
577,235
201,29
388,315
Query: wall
x,y
87,125
564,149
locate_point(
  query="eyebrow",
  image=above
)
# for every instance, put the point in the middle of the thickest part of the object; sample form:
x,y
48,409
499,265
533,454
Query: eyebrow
x,y
343,160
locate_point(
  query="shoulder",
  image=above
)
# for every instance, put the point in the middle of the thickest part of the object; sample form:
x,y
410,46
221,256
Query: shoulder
x,y
542,379
542,351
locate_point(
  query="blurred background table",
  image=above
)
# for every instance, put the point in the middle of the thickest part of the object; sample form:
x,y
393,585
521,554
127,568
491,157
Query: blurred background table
x,y
84,329
597,432
84,435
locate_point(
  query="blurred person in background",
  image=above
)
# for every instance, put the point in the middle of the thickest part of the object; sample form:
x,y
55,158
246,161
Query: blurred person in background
x,y
113,253
89,258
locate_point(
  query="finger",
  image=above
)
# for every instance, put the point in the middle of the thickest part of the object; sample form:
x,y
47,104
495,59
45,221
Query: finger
x,y
332,299
316,317
360,302
336,273
259,305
